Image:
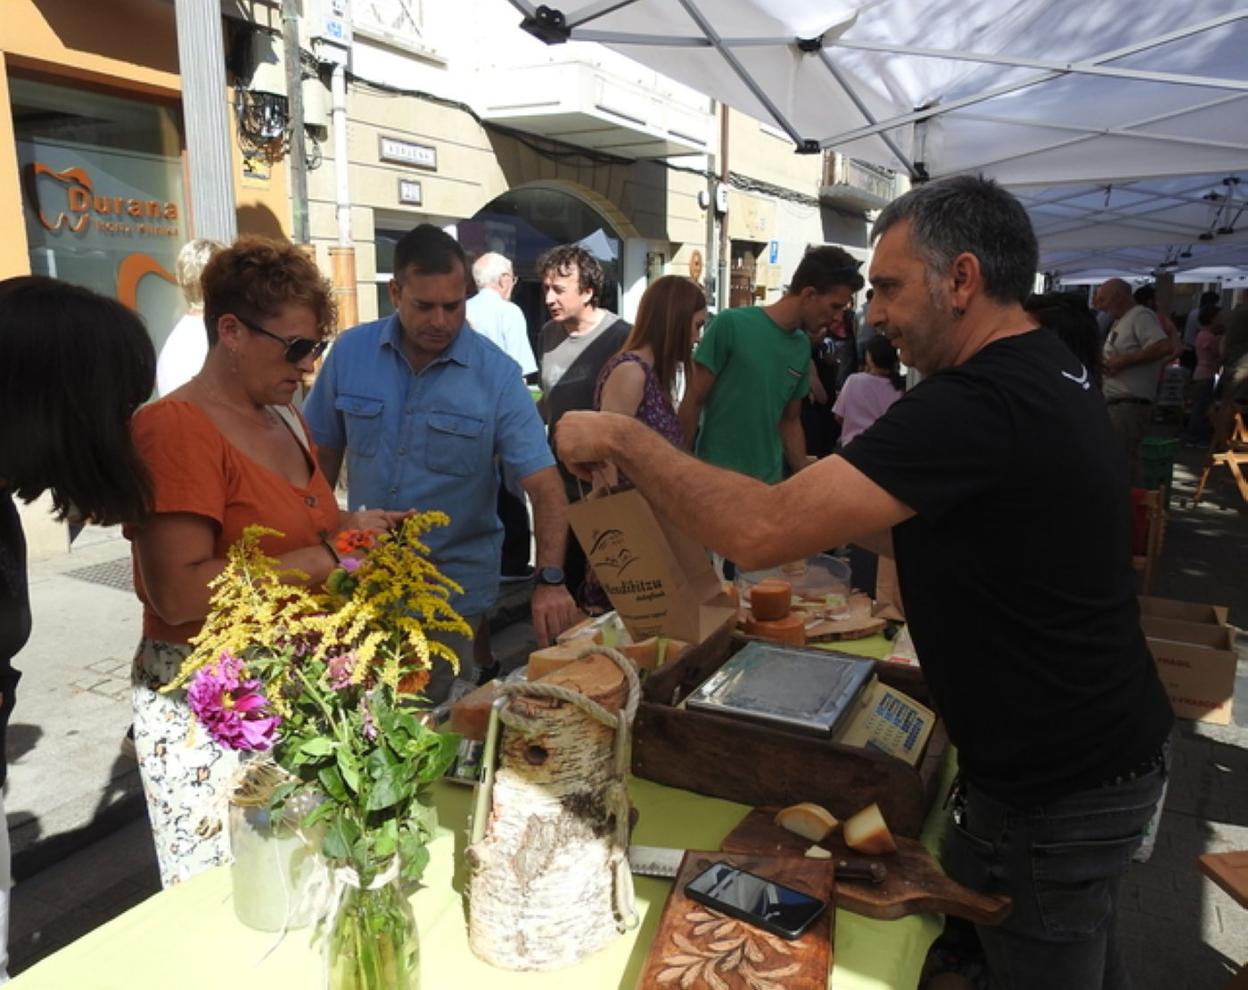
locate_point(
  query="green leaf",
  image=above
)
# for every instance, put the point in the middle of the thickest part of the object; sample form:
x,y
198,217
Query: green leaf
x,y
349,769
316,746
413,854
322,810
386,839
331,781
339,837
441,759
387,791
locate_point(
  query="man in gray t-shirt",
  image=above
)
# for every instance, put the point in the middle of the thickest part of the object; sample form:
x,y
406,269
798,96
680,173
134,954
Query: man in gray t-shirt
x,y
1134,350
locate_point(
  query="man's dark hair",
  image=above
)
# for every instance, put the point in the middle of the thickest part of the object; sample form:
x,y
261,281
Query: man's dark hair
x,y
1068,316
429,250
826,268
974,215
74,366
560,261
1209,296
1145,295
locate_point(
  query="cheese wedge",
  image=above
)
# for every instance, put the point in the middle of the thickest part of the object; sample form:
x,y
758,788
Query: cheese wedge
x,y
810,821
867,832
552,658
771,599
791,629
654,652
818,852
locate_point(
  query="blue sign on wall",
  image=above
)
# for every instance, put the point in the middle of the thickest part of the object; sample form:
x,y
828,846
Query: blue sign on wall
x,y
773,253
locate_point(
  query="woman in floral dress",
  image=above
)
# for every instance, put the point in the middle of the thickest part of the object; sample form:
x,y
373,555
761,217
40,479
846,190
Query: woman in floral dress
x,y
225,451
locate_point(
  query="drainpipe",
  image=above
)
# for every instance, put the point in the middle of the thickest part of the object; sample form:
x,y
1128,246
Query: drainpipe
x,y
725,251
342,256
298,149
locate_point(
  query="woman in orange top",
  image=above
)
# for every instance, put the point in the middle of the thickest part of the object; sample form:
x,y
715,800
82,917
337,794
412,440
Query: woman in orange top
x,y
225,451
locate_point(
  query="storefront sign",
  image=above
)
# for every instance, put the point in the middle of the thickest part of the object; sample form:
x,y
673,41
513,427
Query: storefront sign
x,y
407,153
69,200
410,193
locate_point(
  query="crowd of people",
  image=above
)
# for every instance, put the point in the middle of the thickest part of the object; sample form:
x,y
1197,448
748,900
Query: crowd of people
x,y
1018,445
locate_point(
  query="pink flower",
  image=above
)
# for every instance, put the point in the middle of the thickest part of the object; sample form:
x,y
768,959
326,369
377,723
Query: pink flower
x,y
368,727
340,668
234,711
350,564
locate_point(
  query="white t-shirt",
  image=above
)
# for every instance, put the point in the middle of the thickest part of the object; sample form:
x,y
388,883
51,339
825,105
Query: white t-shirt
x,y
1133,331
503,322
182,355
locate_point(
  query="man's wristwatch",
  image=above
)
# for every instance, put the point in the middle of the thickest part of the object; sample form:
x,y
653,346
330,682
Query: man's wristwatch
x,y
550,575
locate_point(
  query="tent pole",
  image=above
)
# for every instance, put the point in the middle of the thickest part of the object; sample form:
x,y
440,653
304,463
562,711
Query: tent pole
x,y
725,249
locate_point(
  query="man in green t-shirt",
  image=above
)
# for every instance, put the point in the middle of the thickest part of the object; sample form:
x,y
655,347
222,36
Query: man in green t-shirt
x,y
751,370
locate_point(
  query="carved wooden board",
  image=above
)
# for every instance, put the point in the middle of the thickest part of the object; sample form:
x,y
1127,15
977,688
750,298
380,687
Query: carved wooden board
x,y
696,948
859,624
914,884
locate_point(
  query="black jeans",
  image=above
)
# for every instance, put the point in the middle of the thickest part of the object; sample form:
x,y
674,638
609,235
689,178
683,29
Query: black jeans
x,y
1062,864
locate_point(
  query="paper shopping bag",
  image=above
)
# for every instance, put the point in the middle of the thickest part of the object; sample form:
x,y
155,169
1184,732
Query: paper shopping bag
x,y
660,582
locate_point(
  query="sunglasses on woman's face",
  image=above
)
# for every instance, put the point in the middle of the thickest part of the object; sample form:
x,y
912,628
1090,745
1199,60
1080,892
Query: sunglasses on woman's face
x,y
297,348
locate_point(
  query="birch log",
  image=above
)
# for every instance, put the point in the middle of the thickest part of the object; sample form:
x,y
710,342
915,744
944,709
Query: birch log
x,y
541,889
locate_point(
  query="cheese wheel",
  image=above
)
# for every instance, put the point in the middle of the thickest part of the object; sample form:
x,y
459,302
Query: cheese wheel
x,y
771,599
810,821
867,832
791,629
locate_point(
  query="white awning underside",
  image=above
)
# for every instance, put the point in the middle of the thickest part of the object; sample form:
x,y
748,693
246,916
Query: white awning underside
x,y
1112,120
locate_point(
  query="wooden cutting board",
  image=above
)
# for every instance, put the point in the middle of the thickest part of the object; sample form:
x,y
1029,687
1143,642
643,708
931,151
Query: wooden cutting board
x,y
696,948
859,624
914,884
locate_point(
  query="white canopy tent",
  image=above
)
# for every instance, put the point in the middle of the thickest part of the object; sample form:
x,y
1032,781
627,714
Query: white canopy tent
x,y
1113,121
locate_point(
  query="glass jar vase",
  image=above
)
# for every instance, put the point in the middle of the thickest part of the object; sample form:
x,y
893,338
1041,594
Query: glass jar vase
x,y
373,942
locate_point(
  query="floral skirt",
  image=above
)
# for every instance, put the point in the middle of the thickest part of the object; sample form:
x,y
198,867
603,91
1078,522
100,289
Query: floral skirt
x,y
185,774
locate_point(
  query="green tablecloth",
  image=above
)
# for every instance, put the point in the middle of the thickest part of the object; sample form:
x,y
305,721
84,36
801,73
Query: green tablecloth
x,y
187,937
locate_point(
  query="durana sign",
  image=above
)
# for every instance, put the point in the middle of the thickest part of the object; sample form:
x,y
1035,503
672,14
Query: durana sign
x,y
82,205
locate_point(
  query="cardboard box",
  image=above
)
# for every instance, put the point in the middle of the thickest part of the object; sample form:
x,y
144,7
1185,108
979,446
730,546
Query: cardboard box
x,y
1196,661
1169,608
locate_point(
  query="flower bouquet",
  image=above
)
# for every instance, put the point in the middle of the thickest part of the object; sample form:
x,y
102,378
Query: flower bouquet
x,y
324,679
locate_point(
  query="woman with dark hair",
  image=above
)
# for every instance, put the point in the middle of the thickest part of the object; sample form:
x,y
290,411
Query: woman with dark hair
x,y
73,368
1069,317
226,451
640,379
866,395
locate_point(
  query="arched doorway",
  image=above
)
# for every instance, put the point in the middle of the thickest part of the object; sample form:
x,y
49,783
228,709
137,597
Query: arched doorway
x,y
524,222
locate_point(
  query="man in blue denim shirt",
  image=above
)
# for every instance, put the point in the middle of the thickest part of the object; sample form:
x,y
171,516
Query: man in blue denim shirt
x,y
421,405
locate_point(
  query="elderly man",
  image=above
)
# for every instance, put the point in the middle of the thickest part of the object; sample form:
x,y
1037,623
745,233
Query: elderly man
x,y
421,405
1134,350
750,371
1000,481
493,315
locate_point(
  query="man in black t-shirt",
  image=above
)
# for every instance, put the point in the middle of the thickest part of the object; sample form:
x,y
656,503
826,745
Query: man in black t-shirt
x,y
1006,498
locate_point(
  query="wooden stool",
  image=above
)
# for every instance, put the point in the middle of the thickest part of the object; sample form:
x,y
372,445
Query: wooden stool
x,y
1229,870
1229,448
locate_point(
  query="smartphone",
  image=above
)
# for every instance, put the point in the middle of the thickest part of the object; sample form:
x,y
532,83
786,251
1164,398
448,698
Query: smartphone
x,y
770,906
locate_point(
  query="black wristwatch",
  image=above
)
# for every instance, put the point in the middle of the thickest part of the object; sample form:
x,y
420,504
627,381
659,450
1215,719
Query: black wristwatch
x,y
550,575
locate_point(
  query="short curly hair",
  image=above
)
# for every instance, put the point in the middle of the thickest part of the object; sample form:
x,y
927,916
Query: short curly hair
x,y
255,277
560,261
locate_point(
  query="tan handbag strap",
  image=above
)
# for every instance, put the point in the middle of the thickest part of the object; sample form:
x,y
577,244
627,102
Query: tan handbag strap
x,y
295,425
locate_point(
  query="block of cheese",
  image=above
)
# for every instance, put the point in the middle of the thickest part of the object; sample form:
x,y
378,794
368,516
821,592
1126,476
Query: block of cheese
x,y
771,599
552,658
810,821
470,715
649,654
791,629
595,676
868,833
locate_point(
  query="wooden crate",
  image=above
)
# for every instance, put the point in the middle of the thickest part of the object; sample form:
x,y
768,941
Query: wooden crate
x,y
757,764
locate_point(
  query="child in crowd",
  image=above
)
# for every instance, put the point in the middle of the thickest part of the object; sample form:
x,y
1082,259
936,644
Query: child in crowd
x,y
867,394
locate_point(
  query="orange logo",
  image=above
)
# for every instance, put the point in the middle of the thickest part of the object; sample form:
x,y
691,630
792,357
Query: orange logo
x,y
114,214
78,188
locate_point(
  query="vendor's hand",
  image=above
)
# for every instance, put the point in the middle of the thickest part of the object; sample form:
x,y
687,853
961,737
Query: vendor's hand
x,y
581,441
553,612
1112,364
